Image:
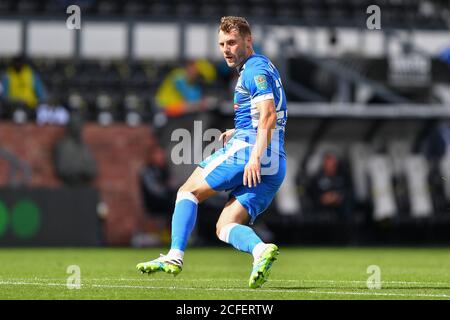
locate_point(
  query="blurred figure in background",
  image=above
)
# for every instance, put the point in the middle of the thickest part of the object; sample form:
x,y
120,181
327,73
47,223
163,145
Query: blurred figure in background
x,y
330,188
74,162
182,100
52,114
181,91
22,89
158,193
436,148
445,55
437,143
157,188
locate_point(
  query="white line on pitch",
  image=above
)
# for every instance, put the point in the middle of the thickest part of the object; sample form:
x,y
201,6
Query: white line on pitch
x,y
419,295
148,279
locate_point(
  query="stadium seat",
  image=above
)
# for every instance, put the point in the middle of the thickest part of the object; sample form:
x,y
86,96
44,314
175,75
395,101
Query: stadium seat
x,y
417,172
106,7
6,6
28,6
380,173
135,8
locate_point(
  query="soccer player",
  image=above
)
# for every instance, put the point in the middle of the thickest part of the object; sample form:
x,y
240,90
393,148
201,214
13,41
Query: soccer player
x,y
252,163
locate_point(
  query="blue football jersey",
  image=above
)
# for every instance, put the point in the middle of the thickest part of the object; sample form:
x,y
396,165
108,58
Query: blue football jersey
x,y
259,80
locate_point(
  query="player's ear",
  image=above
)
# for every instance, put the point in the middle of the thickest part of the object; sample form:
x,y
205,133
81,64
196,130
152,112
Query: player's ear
x,y
249,41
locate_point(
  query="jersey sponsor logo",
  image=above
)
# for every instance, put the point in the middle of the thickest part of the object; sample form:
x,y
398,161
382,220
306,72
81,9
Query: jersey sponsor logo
x,y
261,82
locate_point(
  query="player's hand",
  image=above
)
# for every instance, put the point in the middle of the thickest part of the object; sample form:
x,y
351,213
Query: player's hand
x,y
226,136
252,172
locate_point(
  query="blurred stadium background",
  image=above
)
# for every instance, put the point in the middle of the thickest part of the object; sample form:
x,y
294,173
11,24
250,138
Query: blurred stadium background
x,y
374,103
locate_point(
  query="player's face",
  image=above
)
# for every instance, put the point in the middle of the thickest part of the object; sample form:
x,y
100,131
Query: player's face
x,y
234,47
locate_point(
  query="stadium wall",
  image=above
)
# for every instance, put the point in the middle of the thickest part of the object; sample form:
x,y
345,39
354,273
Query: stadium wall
x,y
119,151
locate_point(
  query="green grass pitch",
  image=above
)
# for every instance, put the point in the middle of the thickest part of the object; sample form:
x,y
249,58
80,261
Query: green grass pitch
x,y
222,273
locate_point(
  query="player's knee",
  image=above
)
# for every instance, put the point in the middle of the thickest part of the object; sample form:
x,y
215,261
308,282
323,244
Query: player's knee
x,y
198,191
186,195
185,188
223,230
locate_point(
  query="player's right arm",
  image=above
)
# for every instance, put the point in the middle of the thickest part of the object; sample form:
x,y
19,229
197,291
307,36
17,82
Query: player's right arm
x,y
267,122
259,83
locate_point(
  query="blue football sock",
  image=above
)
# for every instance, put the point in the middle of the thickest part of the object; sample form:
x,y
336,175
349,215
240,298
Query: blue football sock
x,y
243,238
183,219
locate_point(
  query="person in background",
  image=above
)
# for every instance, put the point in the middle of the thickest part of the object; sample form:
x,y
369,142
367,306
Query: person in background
x,y
157,189
435,148
22,87
181,91
330,189
158,193
52,115
74,162
180,101
445,55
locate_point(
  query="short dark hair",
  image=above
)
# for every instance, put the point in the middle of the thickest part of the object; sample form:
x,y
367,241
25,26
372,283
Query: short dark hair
x,y
229,23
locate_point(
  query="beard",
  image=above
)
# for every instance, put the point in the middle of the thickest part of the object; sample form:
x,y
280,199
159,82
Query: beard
x,y
237,59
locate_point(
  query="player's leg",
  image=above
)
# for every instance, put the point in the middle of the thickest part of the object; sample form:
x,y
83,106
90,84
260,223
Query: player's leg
x,y
231,228
220,171
193,191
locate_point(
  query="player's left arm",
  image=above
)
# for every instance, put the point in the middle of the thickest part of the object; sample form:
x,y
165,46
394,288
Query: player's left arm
x,y
267,122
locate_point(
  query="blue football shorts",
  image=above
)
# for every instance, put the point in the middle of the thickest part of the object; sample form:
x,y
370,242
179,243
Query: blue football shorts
x,y
224,171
